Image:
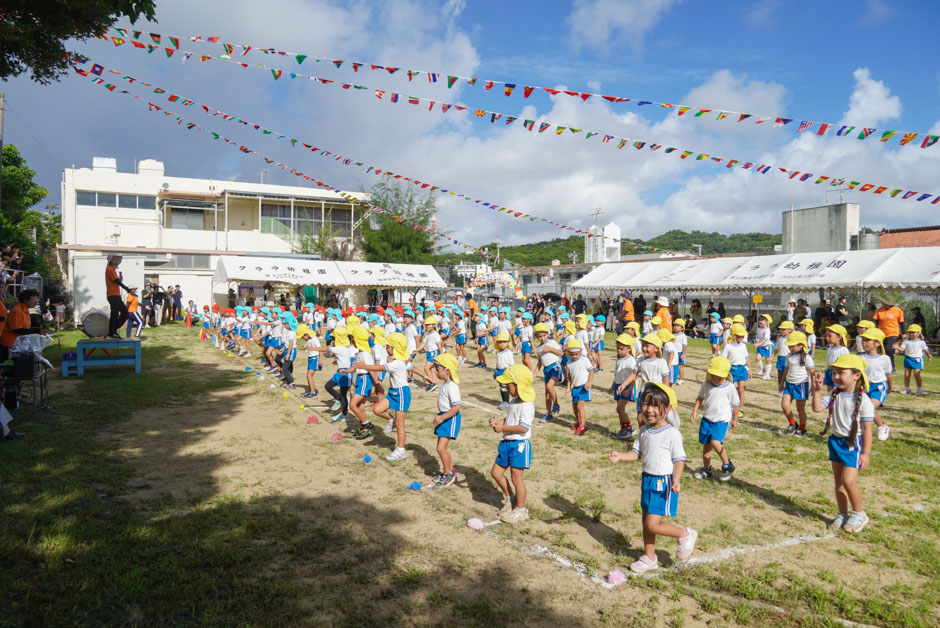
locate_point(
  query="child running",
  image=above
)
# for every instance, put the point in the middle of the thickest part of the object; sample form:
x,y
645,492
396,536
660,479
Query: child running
x,y
624,389
447,422
914,349
851,413
364,382
736,352
659,446
878,371
549,353
796,376
515,449
580,377
431,344
719,402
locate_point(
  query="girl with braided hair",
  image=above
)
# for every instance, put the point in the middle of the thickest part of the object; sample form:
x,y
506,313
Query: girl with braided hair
x,y
797,375
851,413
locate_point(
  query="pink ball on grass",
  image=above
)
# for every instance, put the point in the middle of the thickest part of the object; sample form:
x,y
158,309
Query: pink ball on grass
x,y
271,386
260,377
475,524
616,577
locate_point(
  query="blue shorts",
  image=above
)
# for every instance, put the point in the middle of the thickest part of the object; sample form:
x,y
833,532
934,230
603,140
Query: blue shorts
x,y
739,373
764,351
600,345
878,391
552,370
363,385
341,379
329,336
399,399
656,496
674,372
313,363
682,358
916,364
712,430
515,332
798,392
580,393
498,372
629,394
461,339
244,333
781,362
844,451
430,355
514,453
205,324
481,341
827,378
449,428
713,339
526,347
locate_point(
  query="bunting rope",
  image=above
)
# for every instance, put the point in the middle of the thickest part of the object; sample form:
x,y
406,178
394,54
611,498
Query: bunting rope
x,y
192,126
508,89
529,125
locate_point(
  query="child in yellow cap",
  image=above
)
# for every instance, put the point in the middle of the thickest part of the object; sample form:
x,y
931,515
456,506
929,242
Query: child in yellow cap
x,y
659,446
651,368
682,345
796,376
764,347
394,406
670,353
860,328
719,401
784,329
914,349
338,386
850,413
430,343
580,378
878,369
504,359
836,346
550,356
808,327
515,449
308,335
363,380
624,386
736,352
447,422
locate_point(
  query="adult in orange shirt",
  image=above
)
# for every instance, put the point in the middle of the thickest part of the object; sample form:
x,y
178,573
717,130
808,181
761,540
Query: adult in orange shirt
x,y
133,313
18,322
626,312
665,317
889,318
113,283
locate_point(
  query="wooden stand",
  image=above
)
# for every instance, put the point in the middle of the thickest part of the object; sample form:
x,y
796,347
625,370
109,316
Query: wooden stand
x,y
86,348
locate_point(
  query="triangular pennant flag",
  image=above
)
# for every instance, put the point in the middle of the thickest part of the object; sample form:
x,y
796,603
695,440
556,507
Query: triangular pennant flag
x,y
300,58
682,110
276,73
743,117
508,88
887,135
929,140
908,138
451,80
701,112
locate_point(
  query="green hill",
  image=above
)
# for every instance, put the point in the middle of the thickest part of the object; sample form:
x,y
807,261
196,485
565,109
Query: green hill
x,y
542,253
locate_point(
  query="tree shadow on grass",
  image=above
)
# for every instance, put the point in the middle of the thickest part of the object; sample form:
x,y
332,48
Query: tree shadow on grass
x,y
612,540
482,488
776,500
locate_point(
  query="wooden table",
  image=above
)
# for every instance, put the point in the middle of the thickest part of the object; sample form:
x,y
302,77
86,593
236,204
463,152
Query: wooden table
x,y
85,357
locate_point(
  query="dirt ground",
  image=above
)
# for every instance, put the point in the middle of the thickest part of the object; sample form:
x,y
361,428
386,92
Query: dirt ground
x,y
585,511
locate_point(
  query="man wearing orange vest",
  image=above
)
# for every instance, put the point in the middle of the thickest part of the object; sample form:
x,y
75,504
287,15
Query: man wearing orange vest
x,y
665,316
113,283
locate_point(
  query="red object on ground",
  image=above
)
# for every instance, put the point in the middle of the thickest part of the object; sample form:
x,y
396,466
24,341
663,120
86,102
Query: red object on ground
x,y
189,320
312,419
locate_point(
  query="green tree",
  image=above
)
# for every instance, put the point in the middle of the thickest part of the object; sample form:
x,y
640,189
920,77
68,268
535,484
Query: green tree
x,y
396,240
33,32
18,191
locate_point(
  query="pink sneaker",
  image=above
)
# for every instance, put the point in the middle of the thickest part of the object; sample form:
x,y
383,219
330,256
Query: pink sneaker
x,y
687,544
644,564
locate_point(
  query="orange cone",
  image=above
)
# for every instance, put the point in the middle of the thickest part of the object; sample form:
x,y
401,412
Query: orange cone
x,y
189,320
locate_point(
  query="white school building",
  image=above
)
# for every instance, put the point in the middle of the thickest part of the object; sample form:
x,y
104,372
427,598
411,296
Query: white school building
x,y
174,229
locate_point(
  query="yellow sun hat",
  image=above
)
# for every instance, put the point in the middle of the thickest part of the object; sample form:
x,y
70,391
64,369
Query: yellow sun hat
x,y
303,330
656,320
809,324
570,328
448,361
653,339
574,344
852,361
635,326
738,318
670,393
502,337
665,335
361,337
767,317
786,325
379,333
352,321
719,366
864,324
679,321
738,330
625,339
875,334
399,344
540,328
841,331
915,327
796,338
521,376
431,320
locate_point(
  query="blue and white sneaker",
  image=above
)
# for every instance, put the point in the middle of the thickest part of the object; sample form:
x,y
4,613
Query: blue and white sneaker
x,y
336,405
339,416
547,418
556,408
503,405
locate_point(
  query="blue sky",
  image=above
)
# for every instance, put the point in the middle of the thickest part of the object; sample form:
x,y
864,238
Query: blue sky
x,y
865,63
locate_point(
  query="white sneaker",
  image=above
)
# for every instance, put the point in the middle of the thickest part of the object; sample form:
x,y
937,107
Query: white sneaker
x,y
906,391
884,432
644,564
517,515
398,454
680,382
389,426
856,522
507,506
687,544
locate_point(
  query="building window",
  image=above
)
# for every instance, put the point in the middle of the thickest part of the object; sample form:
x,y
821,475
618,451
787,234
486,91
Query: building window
x,y
185,260
85,198
106,200
146,202
127,201
192,219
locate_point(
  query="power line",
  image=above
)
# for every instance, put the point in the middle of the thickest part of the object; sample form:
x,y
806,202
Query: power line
x,y
30,133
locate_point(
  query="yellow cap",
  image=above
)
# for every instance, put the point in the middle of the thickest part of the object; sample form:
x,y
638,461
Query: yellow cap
x,y
574,343
540,328
915,327
679,321
719,366
665,335
864,324
341,337
809,325
726,320
796,338
670,393
875,334
625,339
635,326
352,321
738,318
431,320
852,361
767,317
521,376
738,330
569,327
502,337
361,335
379,332
303,330
656,320
841,331
399,344
785,325
806,321
653,339
448,361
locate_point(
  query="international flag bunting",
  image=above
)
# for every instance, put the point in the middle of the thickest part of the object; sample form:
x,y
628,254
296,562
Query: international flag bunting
x,y
488,86
823,127
732,163
394,97
782,122
820,180
864,133
173,98
854,184
155,38
413,100
866,187
743,117
929,141
722,115
702,112
450,81
685,154
559,130
701,156
300,58
543,126
880,189
528,124
763,169
508,87
805,124
276,74
923,197
356,66
908,138
176,42
621,144
640,103
494,117
682,110
887,135
432,77
845,130
527,91
97,69
338,63
607,138
907,195
894,192
169,52
117,41
510,120
228,48
793,174
935,201
480,113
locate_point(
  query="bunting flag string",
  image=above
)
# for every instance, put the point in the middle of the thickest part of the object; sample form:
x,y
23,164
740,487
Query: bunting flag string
x,y
560,129
192,126
508,89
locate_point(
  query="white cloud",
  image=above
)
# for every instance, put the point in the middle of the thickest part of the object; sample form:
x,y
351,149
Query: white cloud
x,y
871,102
762,13
598,24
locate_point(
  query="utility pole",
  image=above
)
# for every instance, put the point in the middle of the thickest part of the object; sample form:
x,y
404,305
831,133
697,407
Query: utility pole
x,y
597,213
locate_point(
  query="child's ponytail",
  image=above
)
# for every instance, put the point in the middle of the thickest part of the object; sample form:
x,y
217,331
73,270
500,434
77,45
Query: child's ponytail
x,y
829,407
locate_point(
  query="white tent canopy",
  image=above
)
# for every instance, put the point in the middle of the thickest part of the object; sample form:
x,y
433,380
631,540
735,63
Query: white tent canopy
x,y
905,268
303,272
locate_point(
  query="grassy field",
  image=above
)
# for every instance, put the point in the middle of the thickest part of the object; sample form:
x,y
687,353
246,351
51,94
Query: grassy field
x,y
195,493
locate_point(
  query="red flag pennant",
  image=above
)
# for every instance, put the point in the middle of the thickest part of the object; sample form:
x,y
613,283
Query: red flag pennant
x,y
487,86
527,91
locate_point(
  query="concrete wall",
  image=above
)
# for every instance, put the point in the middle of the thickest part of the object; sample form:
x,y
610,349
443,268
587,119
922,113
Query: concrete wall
x,y
88,287
824,228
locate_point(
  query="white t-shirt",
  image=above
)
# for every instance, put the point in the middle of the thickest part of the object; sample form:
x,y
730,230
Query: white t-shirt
x,y
624,367
782,349
716,329
397,374
432,341
525,333
659,449
637,346
844,409
521,413
448,396
380,353
718,401
737,353
833,354
670,355
343,356
798,373
858,344
681,341
365,357
598,334
583,336
461,327
504,359
390,328
314,342
877,367
547,358
411,335
503,326
650,370
914,348
762,336
578,371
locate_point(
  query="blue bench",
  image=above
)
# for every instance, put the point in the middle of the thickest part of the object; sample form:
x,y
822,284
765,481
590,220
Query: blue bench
x,y
110,356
